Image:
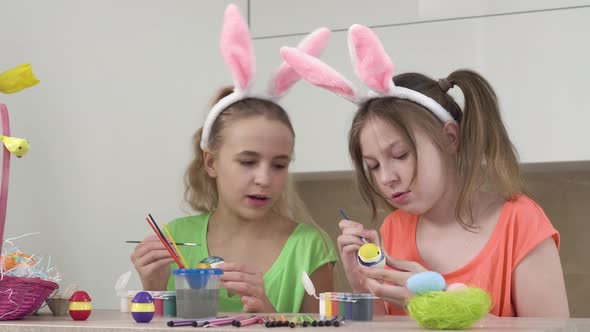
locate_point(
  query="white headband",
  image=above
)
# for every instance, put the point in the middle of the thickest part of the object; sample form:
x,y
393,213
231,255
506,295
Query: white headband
x,y
237,51
372,65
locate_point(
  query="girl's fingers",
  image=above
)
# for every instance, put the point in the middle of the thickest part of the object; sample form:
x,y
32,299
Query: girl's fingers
x,y
152,256
391,276
402,265
391,293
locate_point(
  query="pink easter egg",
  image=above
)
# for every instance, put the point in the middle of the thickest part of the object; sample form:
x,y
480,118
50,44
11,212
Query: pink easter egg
x,y
456,287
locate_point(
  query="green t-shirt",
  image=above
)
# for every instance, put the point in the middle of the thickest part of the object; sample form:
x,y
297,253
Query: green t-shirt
x,y
306,249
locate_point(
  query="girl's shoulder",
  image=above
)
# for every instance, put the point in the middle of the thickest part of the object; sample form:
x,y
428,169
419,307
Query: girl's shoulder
x,y
398,219
524,226
522,211
313,239
308,232
189,222
523,204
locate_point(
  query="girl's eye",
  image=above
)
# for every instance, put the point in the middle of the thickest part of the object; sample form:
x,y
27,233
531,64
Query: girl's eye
x,y
247,162
280,166
372,167
401,156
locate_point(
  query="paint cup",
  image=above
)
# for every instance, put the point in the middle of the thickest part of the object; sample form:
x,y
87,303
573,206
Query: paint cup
x,y
168,301
158,303
197,292
58,306
362,309
357,307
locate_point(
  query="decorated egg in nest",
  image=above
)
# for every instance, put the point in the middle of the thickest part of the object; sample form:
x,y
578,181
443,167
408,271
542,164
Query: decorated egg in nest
x,y
455,307
428,281
142,307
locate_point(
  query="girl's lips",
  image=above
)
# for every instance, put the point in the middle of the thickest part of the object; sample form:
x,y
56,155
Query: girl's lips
x,y
400,197
257,200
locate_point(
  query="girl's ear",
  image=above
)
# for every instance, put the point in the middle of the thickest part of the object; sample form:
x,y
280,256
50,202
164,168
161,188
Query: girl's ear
x,y
209,162
452,134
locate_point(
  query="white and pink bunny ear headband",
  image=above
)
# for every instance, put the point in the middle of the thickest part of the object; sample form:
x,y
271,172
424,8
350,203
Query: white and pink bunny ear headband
x,y
372,65
238,54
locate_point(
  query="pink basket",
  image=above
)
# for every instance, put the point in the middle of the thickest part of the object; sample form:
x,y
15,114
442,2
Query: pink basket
x,y
21,296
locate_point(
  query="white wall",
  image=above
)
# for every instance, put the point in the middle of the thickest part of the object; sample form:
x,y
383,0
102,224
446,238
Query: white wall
x,y
124,84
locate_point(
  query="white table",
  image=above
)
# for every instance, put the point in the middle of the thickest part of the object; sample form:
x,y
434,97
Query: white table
x,y
111,321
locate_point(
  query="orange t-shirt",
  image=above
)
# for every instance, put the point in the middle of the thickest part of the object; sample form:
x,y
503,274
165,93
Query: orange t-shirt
x,y
522,226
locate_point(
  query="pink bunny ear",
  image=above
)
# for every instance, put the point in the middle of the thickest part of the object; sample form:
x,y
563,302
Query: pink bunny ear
x,y
313,44
318,73
369,59
236,48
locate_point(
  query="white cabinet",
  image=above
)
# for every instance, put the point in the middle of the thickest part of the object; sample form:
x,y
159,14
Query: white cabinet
x,y
538,63
281,17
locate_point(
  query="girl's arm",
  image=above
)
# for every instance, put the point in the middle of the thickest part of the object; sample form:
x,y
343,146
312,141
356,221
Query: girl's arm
x,y
323,281
538,288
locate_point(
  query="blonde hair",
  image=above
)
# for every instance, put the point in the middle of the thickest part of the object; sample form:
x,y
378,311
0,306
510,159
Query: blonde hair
x,y
201,192
485,154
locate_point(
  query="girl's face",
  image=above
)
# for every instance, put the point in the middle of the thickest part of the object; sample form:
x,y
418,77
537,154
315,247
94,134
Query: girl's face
x,y
388,157
251,166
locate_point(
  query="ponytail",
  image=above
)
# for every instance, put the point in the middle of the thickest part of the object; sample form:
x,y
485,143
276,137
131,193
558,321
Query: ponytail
x,y
485,150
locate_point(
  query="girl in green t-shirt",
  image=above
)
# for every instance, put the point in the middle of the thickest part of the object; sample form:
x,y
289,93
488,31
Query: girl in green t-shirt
x,y
239,178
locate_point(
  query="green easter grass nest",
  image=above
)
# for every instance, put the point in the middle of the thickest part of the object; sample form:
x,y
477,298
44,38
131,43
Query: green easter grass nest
x,y
456,310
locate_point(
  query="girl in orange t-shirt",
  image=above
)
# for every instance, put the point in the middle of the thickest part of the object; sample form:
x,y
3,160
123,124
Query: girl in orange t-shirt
x,y
416,150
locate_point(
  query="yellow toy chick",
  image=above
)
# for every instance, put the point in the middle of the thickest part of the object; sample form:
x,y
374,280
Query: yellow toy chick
x,y
371,255
17,79
17,146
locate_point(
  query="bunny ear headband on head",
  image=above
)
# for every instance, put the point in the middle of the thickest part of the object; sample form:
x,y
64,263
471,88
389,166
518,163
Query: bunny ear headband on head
x,y
372,65
238,54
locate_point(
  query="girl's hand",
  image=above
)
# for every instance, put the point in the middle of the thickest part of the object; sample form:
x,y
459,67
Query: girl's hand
x,y
349,242
248,284
394,289
152,262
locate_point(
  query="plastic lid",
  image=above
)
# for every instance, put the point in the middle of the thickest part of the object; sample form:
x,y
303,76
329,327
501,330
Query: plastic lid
x,y
197,272
346,296
360,296
308,285
164,294
122,281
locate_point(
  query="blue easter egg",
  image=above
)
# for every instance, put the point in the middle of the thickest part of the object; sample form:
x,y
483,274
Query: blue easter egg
x,y
213,261
426,282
